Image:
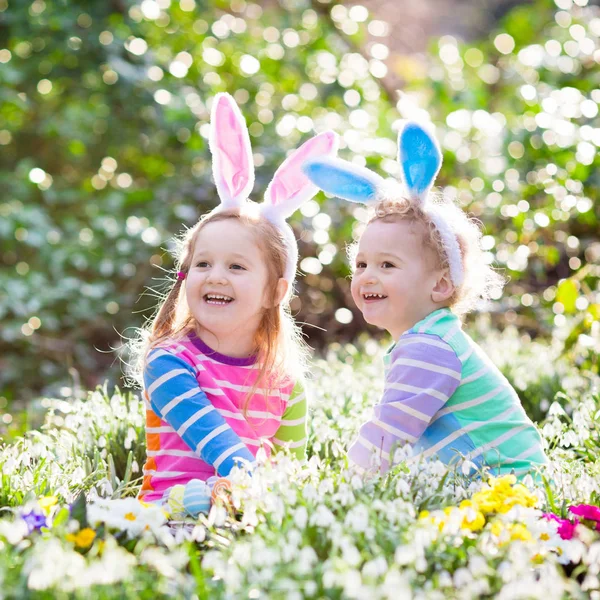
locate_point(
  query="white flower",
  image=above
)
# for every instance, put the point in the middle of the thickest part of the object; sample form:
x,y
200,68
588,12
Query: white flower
x,y
358,518
127,514
322,517
300,517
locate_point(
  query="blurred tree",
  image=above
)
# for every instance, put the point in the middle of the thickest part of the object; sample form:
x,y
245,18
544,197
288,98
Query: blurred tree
x,y
103,121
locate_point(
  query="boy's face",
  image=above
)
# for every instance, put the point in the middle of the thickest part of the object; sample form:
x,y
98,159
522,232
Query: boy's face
x,y
394,277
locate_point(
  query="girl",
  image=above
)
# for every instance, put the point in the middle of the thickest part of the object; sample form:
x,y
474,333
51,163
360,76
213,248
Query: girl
x,y
418,268
222,368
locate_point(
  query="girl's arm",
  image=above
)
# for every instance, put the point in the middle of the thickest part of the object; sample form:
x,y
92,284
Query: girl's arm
x,y
292,431
176,397
424,372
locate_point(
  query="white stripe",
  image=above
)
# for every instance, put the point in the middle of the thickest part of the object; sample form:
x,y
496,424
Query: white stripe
x,y
421,364
525,454
422,339
163,474
195,417
468,404
292,422
172,452
246,388
171,405
413,412
397,432
213,434
456,434
230,414
157,353
369,446
250,441
296,444
166,377
404,387
227,454
451,333
261,414
467,354
213,391
297,399
475,375
431,320
161,429
499,440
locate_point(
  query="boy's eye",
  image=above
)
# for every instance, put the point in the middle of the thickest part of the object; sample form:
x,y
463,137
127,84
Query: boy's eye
x,y
387,264
237,267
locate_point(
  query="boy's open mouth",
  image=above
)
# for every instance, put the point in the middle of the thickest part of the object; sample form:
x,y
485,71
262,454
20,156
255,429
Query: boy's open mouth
x,y
373,297
217,299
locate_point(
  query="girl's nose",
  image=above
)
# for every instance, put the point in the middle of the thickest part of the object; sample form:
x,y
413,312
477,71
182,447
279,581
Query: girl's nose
x,y
216,275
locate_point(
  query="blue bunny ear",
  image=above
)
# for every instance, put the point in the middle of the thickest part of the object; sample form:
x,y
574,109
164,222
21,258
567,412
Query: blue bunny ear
x,y
343,179
420,158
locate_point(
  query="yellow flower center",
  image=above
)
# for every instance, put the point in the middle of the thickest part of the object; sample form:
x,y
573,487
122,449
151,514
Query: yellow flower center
x,y
130,516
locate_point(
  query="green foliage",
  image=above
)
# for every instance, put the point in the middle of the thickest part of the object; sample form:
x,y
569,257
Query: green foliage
x,y
104,111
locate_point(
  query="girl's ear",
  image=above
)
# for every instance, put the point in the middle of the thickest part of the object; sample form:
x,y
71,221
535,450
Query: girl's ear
x,y
281,292
420,159
443,288
344,179
233,168
290,187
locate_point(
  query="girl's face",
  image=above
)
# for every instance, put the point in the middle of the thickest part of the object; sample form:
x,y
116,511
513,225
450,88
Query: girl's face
x,y
393,278
226,283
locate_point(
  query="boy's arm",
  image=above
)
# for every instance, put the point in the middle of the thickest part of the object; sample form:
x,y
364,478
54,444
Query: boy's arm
x,y
175,396
292,431
424,372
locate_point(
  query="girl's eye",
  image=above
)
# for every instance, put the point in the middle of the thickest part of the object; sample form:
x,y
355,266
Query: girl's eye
x,y
361,265
388,265
202,264
238,267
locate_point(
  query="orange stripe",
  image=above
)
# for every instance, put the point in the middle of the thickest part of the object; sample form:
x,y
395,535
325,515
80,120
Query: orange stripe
x,y
152,419
153,441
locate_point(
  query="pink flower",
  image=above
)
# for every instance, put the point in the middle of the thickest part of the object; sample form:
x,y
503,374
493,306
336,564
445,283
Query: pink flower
x,y
566,528
588,512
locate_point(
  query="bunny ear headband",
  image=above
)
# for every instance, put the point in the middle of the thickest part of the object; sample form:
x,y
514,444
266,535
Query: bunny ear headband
x,y
233,172
420,161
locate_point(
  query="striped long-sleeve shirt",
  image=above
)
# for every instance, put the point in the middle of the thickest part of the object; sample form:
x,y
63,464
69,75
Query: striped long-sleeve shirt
x,y
199,418
446,398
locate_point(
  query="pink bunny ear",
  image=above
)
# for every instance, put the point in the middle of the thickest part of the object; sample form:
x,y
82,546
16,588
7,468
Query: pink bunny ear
x,y
290,188
233,169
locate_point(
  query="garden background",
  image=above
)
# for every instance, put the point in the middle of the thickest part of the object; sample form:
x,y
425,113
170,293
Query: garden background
x,y
104,157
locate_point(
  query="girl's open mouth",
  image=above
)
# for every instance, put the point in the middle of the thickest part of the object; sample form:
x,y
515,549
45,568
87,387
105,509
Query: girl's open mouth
x,y
217,299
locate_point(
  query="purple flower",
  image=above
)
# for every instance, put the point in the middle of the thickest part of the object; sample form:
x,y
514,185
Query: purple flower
x,y
587,512
566,528
35,520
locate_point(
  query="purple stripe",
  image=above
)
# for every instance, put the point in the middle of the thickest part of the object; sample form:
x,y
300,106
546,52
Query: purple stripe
x,y
382,440
222,358
400,420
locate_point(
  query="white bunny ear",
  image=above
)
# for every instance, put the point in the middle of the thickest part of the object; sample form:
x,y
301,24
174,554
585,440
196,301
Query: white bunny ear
x,y
233,169
290,187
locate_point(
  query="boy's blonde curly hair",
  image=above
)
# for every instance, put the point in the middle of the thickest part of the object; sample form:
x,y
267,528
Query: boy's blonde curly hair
x,y
481,282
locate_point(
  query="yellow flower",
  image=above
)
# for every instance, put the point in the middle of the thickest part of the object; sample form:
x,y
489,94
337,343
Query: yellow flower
x,y
496,528
519,532
47,502
423,514
475,524
83,538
